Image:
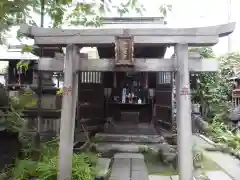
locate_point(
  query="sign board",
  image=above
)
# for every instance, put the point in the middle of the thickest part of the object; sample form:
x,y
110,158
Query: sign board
x,y
124,47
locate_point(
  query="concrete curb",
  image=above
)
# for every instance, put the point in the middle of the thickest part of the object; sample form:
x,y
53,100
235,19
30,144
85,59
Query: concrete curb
x,y
206,139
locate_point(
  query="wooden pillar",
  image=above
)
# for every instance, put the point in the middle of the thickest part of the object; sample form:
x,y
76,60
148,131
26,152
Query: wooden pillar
x,y
68,113
174,105
146,80
184,127
114,80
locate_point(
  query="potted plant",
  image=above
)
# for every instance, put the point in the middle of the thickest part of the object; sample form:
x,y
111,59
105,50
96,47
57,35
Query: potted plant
x,y
59,99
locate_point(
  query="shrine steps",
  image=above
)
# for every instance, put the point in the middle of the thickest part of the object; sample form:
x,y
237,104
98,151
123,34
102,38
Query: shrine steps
x,y
133,129
127,138
124,147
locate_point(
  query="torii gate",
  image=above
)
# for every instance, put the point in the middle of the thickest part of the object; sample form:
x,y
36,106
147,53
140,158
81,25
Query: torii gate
x,y
124,40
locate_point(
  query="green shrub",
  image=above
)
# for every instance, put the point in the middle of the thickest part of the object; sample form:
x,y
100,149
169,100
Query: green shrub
x,y
221,134
83,165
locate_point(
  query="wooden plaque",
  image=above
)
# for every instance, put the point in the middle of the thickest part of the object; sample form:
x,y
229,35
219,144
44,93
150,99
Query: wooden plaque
x,y
124,47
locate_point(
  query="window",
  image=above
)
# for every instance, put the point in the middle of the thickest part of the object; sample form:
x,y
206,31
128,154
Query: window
x,y
164,77
91,77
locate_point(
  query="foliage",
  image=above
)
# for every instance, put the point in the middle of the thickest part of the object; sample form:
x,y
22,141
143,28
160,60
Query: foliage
x,y
204,52
60,92
213,93
223,135
214,89
46,168
165,9
87,13
12,120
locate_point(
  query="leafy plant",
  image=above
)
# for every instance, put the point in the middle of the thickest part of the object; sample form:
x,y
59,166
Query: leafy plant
x,y
60,92
165,9
221,134
213,90
86,13
11,119
83,165
23,169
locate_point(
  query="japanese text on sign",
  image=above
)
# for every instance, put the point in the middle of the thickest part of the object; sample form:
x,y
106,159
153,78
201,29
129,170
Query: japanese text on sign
x,y
185,92
67,91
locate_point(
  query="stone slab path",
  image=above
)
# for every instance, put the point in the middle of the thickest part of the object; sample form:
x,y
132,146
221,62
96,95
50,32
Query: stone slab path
x,y
218,175
212,175
102,167
156,177
129,166
228,163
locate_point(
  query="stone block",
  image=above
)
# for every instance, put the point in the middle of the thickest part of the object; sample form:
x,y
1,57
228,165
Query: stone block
x,y
120,169
138,165
128,155
103,166
156,177
218,175
47,101
139,175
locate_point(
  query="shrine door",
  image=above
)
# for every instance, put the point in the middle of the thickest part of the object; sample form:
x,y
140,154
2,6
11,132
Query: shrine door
x,y
90,112
163,101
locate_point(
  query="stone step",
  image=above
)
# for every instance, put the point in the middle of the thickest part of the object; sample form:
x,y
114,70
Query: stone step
x,y
120,147
123,147
157,177
177,178
140,129
104,137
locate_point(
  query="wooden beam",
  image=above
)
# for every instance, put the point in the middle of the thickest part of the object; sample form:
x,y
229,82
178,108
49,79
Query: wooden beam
x,y
219,30
139,40
100,36
140,65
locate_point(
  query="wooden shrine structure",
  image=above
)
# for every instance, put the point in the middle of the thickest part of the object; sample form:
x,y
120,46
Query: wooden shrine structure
x,y
120,51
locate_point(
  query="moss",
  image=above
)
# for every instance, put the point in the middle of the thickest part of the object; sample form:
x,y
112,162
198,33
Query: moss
x,y
209,165
156,167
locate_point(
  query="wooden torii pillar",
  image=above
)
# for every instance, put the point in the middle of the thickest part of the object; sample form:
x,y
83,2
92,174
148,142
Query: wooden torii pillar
x,y
182,65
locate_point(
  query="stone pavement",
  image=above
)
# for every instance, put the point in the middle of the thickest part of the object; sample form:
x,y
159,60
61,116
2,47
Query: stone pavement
x,y
102,166
156,177
212,175
129,166
218,175
228,163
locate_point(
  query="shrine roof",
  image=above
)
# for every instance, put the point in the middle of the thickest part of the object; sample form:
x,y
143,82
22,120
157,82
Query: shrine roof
x,y
12,56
